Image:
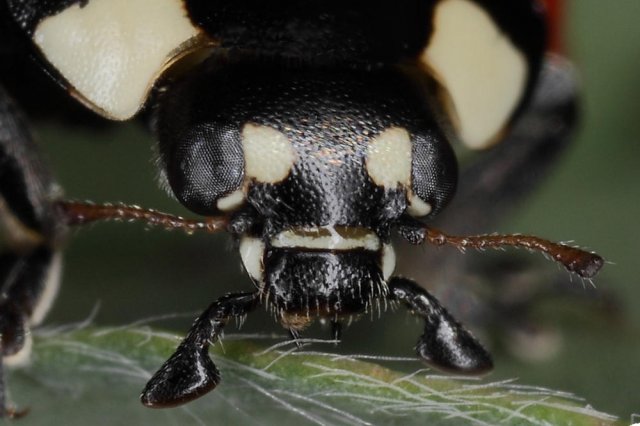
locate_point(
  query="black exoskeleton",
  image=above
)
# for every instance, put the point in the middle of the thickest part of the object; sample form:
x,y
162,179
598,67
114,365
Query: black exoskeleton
x,y
308,130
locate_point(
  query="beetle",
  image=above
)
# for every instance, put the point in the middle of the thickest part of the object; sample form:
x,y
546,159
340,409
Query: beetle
x,y
308,130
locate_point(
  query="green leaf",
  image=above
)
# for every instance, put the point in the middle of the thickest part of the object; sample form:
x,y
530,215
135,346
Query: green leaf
x,y
93,376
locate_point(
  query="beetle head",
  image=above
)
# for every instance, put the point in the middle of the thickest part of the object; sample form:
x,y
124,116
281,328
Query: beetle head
x,y
305,147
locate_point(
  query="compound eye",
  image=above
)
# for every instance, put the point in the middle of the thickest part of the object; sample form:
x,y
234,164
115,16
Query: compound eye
x,y
206,170
424,165
434,175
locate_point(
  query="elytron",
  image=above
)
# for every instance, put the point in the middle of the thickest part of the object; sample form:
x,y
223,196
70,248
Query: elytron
x,y
310,131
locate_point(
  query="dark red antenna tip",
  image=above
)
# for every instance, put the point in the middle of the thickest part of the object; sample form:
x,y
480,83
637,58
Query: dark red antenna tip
x,y
580,262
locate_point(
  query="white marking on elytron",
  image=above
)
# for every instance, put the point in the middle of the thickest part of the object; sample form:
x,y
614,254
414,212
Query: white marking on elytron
x,y
268,154
389,158
23,356
252,253
50,290
484,73
325,238
388,261
417,207
231,201
112,51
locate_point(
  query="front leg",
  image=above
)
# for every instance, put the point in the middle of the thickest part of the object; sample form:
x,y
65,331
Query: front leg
x,y
32,229
190,373
445,344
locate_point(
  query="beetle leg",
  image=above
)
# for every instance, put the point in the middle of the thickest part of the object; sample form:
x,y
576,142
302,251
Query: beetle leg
x,y
445,344
28,284
27,190
295,336
336,331
12,326
32,229
190,372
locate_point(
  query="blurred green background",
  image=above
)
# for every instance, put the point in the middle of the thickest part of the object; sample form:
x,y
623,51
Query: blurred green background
x,y
592,197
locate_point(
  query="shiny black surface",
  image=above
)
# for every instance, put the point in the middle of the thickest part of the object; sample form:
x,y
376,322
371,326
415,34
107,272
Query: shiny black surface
x,y
311,283
190,373
26,185
329,116
324,73
445,343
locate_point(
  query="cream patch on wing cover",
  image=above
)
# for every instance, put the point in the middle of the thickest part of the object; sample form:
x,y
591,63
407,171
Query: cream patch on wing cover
x,y
112,51
484,73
